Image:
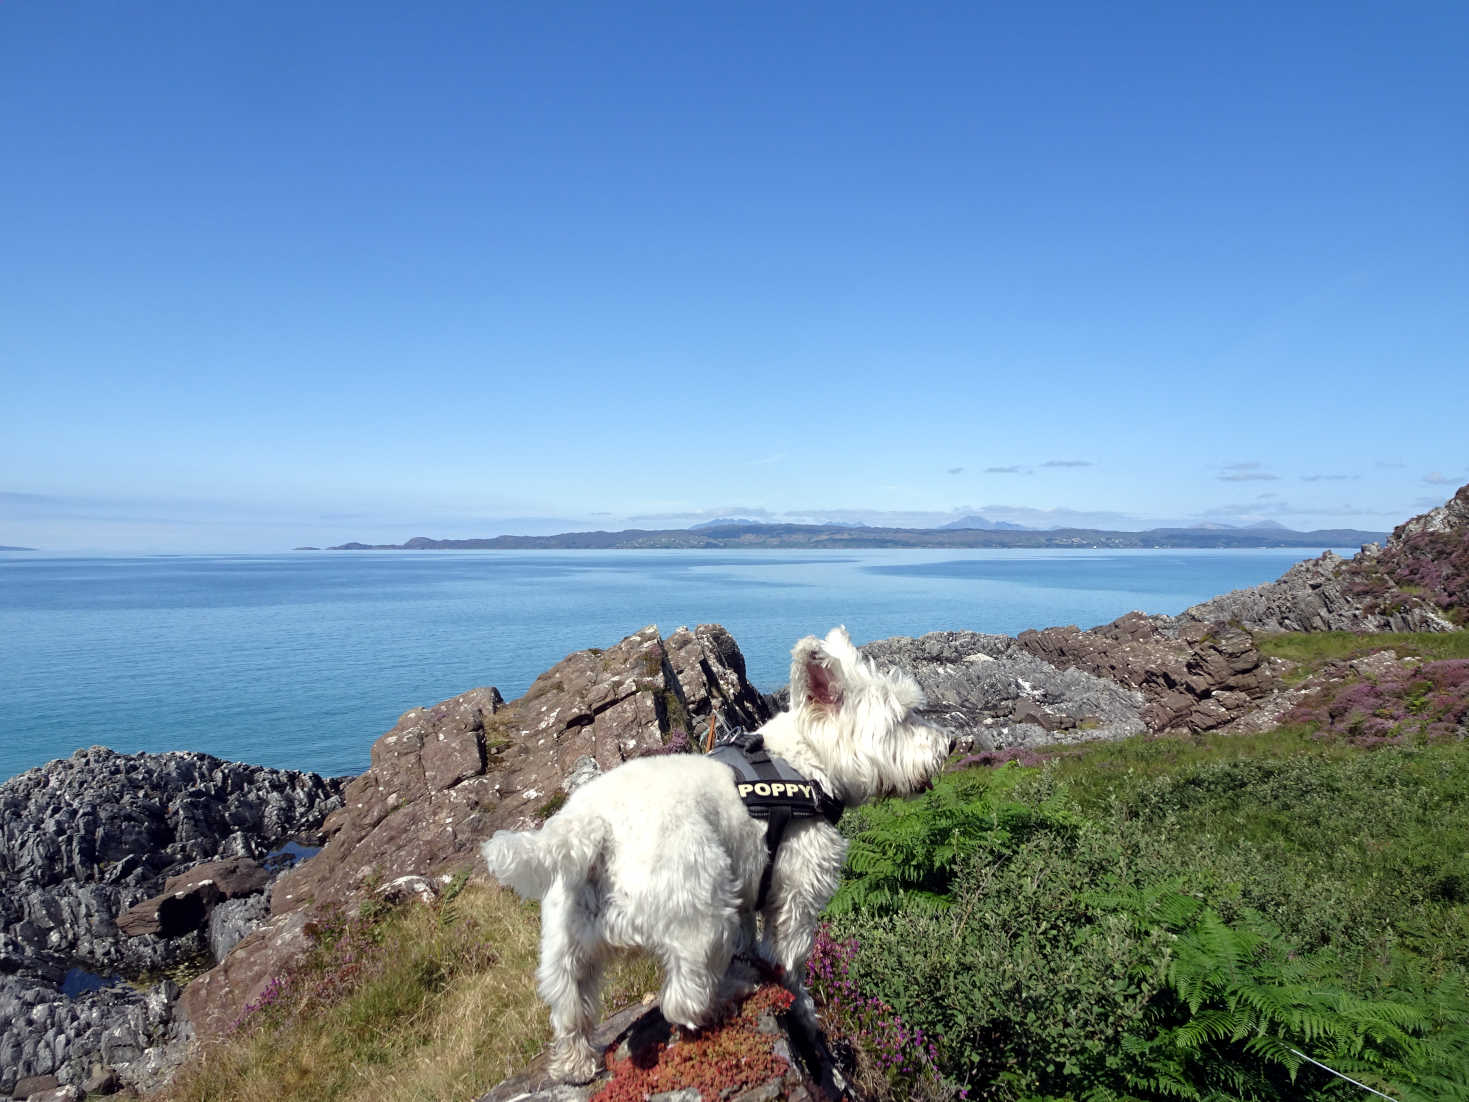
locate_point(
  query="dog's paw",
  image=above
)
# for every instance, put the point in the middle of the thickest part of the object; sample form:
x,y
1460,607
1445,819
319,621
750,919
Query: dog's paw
x,y
574,1060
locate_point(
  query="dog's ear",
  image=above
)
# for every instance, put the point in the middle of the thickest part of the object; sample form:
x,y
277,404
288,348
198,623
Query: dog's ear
x,y
839,644
816,676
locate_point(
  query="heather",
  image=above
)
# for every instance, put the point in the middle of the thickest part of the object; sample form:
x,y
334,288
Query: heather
x,y
1407,702
1432,565
1178,918
887,1056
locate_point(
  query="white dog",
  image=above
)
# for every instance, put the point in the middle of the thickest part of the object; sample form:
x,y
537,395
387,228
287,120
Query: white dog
x,y
661,852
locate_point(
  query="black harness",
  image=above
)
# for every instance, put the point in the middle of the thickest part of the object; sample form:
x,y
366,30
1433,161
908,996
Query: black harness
x,y
772,791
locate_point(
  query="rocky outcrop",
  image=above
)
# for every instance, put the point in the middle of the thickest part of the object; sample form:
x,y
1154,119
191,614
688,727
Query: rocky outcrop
x,y
1449,519
994,694
1062,685
1418,581
86,840
1192,676
444,778
711,672
1198,672
1322,594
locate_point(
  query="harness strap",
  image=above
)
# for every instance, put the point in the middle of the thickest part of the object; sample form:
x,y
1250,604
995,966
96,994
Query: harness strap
x,y
780,818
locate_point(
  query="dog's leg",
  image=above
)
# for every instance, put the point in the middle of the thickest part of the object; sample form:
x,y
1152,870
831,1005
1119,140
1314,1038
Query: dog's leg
x,y
696,953
569,978
806,877
790,925
692,970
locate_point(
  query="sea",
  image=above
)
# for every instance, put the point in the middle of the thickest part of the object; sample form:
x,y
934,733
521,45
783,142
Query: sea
x,y
300,660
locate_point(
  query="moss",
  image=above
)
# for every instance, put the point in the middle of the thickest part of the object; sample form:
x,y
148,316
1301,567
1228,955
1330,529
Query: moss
x,y
675,715
550,807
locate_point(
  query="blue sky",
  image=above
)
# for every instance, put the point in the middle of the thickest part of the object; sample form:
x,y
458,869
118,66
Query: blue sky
x,y
280,273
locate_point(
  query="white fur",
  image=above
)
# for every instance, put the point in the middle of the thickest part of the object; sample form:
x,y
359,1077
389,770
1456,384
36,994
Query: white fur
x,y
660,852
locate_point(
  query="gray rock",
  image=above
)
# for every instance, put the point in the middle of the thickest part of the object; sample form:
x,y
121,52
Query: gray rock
x,y
1314,595
64,1093
35,1084
1381,588
102,1080
83,839
408,887
585,769
187,899
231,920
993,694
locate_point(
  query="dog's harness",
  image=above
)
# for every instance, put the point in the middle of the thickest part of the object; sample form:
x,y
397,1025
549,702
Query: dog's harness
x,y
772,791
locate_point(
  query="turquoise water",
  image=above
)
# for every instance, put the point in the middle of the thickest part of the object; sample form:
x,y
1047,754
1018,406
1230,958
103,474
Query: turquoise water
x,y
301,660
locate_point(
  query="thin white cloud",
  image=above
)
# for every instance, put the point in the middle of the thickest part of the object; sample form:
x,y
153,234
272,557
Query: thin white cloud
x,y
1248,471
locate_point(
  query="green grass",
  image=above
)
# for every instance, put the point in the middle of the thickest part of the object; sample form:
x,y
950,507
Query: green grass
x,y
1101,772
1319,647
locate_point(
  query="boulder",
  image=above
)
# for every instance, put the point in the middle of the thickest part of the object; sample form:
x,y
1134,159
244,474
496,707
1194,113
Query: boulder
x,y
1188,674
188,899
231,920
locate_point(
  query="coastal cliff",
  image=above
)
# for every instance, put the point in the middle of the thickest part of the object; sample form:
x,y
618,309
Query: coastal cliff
x,y
125,867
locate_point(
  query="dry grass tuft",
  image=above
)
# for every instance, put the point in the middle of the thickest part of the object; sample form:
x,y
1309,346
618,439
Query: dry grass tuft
x,y
419,1003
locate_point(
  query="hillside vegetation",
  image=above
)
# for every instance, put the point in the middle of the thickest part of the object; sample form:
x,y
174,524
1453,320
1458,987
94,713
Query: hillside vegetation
x,y
1203,917
1191,917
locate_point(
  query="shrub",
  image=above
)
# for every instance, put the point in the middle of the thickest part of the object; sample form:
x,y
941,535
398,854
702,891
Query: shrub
x,y
719,1061
908,851
1195,933
1028,987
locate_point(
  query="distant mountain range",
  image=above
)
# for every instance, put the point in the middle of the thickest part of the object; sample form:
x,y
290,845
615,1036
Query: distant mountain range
x,y
983,524
735,533
746,522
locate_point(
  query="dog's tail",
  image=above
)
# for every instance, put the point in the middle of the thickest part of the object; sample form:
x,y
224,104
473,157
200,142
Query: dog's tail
x,y
530,861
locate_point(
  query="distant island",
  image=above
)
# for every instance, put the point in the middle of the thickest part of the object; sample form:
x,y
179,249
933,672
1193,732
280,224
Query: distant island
x,y
4,548
742,534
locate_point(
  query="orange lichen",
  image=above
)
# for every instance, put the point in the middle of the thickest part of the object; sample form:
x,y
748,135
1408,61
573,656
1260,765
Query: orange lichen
x,y
719,1061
